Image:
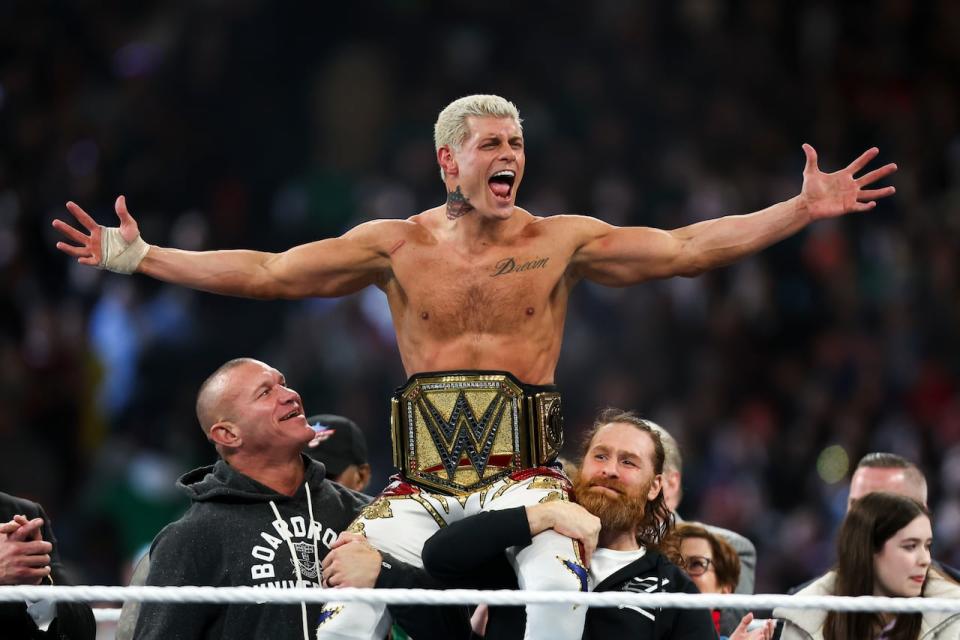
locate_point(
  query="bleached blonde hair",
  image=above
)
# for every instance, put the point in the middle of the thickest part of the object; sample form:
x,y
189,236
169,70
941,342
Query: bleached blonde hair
x,y
451,126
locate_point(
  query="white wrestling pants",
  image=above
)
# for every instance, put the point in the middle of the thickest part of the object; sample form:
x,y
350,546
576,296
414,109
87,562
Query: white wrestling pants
x,y
401,519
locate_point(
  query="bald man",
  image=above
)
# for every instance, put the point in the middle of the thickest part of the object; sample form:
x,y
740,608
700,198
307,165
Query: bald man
x,y
263,516
888,472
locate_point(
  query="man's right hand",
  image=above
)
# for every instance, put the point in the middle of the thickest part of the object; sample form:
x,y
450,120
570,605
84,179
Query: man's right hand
x,y
24,554
568,519
90,249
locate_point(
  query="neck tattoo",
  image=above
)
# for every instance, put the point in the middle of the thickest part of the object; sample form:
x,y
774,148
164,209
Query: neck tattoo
x,y
457,204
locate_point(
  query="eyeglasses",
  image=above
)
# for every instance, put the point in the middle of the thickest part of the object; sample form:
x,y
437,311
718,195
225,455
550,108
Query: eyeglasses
x,y
696,565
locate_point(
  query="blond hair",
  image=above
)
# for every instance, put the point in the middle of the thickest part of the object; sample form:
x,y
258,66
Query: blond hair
x,y
451,129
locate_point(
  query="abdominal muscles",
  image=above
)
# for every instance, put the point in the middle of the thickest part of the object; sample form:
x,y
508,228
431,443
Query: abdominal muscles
x,y
530,361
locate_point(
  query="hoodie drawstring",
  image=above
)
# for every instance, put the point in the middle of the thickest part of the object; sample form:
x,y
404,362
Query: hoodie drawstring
x,y
296,565
314,533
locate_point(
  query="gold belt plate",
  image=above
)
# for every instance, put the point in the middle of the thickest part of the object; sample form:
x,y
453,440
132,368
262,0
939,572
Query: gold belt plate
x,y
460,432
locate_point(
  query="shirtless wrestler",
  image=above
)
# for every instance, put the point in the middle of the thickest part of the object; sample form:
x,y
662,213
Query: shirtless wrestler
x,y
478,289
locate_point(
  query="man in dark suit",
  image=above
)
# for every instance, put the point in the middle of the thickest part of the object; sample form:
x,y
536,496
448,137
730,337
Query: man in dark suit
x,y
28,555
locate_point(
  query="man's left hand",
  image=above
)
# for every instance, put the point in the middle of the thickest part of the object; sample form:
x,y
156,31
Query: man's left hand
x,y
827,195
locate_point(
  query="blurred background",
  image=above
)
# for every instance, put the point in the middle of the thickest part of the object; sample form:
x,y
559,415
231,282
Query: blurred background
x,y
256,124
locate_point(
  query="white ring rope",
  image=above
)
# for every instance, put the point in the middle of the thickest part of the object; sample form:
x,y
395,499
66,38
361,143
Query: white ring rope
x,y
254,595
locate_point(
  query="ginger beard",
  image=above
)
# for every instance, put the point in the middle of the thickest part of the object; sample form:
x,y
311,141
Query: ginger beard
x,y
621,512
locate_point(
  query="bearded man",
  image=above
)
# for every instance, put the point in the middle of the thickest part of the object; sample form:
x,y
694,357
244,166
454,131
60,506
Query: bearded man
x,y
620,518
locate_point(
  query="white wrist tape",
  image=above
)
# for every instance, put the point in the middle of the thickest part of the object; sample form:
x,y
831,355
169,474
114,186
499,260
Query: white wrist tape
x,y
118,255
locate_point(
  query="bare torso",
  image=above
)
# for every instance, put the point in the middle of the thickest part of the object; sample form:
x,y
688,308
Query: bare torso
x,y
494,305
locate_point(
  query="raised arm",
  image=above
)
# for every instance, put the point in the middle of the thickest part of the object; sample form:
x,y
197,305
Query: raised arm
x,y
328,268
622,256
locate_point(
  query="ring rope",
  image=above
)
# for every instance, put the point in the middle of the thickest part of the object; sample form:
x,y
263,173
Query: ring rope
x,y
259,595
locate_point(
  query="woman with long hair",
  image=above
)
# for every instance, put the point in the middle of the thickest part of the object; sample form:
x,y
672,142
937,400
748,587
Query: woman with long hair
x,y
883,549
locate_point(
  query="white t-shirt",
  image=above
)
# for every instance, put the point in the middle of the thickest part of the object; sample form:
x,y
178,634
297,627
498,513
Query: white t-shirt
x,y
605,562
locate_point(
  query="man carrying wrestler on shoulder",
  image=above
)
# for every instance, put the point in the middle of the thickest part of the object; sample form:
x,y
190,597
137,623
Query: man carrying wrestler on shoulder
x,y
264,515
619,494
478,291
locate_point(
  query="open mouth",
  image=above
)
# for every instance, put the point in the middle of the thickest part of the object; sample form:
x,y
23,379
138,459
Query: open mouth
x,y
292,414
501,183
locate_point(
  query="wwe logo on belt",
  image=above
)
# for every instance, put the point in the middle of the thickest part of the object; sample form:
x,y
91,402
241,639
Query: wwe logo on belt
x,y
463,432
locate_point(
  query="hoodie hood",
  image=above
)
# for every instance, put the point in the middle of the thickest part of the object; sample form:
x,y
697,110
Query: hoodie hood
x,y
220,481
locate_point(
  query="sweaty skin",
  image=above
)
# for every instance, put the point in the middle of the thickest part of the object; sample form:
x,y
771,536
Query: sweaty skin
x,y
479,283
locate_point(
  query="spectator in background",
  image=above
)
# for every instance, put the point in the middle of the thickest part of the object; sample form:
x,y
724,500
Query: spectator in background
x,y
883,549
879,471
28,555
746,552
342,448
889,472
714,567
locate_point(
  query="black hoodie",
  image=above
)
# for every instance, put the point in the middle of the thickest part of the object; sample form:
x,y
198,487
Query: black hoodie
x,y
470,554
230,536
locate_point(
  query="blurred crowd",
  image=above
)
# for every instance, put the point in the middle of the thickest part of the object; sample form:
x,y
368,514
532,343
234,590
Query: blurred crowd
x,y
261,125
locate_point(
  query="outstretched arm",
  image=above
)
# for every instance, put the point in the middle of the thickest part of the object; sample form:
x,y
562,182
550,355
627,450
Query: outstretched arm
x,y
329,268
622,256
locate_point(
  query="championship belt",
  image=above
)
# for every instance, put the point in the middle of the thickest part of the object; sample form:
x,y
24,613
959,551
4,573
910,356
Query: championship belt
x,y
456,432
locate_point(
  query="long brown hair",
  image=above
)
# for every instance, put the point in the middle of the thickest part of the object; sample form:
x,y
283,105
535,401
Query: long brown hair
x,y
871,521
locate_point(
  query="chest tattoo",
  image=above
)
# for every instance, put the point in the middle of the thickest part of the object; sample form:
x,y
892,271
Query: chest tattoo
x,y
511,265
